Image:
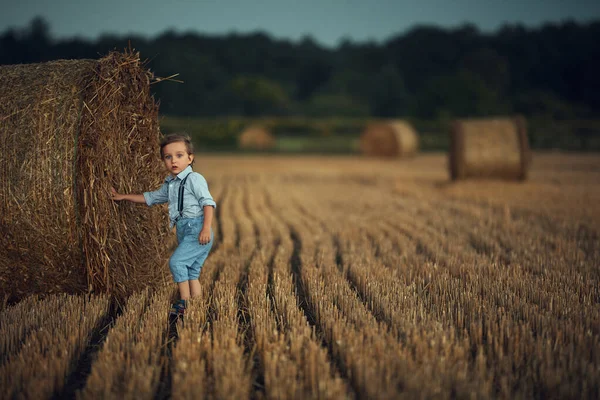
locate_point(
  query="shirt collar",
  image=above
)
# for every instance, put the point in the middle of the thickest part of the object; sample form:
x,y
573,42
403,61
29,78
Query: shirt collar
x,y
180,175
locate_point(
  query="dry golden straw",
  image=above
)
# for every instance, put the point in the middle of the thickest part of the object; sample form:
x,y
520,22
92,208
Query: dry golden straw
x,y
486,148
256,138
70,130
482,290
389,139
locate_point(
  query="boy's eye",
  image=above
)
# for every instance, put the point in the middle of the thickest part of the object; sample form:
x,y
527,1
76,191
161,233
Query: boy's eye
x,y
168,157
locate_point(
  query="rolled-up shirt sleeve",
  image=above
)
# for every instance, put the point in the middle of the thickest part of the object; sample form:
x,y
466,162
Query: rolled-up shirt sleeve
x,y
159,196
200,189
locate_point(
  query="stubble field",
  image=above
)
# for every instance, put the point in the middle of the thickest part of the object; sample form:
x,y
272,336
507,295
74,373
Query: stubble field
x,y
346,277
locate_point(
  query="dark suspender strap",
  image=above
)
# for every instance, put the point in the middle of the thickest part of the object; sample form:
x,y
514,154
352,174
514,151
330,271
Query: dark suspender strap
x,y
180,197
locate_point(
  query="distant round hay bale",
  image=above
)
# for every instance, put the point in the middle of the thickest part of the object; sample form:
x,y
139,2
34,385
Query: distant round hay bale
x,y
489,148
256,138
389,139
70,130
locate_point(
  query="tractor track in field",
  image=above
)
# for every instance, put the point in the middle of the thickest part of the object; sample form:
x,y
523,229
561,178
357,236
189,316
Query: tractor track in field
x,y
244,317
77,379
303,301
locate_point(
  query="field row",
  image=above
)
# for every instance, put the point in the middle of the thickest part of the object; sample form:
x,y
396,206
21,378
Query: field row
x,y
336,288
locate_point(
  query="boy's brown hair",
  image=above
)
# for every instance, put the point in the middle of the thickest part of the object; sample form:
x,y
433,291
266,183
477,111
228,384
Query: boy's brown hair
x,y
174,138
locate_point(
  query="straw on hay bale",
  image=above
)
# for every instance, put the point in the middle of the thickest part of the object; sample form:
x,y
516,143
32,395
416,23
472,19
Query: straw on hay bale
x,y
256,138
70,130
389,139
489,147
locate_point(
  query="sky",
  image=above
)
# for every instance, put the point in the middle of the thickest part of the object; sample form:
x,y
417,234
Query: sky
x,y
327,21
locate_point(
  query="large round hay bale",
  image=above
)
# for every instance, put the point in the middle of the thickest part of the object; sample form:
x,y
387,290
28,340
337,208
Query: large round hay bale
x,y
256,138
489,148
70,130
389,139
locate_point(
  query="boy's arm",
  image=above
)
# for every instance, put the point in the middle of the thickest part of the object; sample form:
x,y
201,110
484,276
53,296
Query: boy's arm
x,y
159,196
204,236
135,198
208,216
199,187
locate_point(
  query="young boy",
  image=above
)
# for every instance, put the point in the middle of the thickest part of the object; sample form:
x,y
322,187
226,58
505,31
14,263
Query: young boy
x,y
191,208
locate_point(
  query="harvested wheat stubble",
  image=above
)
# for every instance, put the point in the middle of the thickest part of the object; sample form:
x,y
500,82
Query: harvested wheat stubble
x,y
129,364
256,138
70,130
189,370
389,139
49,355
485,148
17,322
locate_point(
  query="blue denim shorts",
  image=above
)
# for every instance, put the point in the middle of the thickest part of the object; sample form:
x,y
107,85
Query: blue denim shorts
x,y
189,256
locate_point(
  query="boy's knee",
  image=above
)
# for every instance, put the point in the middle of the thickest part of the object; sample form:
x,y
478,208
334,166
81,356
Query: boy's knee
x,y
178,271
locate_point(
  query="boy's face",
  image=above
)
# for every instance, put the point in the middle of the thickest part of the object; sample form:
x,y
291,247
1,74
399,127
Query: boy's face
x,y
176,157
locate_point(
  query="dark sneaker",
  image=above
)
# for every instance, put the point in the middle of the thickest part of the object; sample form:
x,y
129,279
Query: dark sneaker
x,y
178,309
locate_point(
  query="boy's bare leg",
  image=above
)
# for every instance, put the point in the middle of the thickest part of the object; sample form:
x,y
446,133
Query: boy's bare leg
x,y
184,290
194,287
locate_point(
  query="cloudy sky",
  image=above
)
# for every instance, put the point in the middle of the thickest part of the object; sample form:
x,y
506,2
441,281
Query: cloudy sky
x,y
327,21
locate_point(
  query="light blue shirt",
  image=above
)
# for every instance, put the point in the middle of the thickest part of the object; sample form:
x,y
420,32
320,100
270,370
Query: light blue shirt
x,y
195,195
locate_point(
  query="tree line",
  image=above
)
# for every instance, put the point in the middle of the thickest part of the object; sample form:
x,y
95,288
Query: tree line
x,y
427,72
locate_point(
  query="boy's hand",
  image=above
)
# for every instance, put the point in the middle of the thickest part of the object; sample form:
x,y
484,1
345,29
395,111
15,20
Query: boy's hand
x,y
114,195
204,236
